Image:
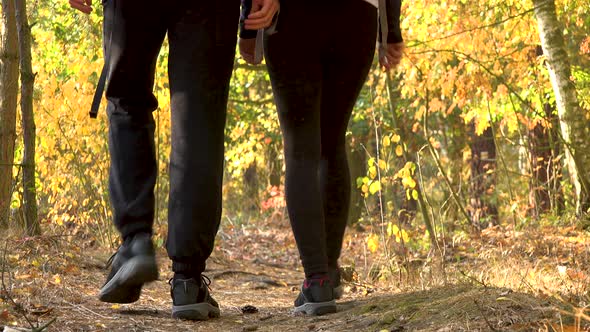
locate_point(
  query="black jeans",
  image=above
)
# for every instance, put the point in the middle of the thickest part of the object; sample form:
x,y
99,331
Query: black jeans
x,y
317,69
202,39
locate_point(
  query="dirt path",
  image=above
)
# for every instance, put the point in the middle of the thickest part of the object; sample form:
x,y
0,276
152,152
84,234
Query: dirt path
x,y
451,308
61,282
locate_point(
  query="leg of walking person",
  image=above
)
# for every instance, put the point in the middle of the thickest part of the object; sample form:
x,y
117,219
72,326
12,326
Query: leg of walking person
x,y
294,63
202,48
350,53
296,78
134,32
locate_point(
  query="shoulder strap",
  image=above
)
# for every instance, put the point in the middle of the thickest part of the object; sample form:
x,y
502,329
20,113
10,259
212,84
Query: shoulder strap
x,y
384,28
103,74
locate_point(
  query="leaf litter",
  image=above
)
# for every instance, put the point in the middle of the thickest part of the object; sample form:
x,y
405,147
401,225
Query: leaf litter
x,y
501,280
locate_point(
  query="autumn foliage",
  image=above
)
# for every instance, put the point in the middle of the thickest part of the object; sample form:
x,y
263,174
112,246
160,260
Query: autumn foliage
x,y
471,70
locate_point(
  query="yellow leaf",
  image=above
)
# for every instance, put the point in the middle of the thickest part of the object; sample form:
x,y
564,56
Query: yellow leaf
x,y
375,187
386,141
56,279
396,230
365,188
408,182
373,243
382,164
115,306
404,235
372,172
396,138
399,151
415,194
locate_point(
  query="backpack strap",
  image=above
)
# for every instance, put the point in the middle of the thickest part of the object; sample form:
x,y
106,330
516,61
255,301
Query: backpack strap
x,y
99,91
383,25
272,29
103,73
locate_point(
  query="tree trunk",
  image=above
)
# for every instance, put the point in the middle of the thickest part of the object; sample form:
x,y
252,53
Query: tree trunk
x,y
555,168
482,208
8,103
250,179
28,121
274,165
545,188
574,122
454,141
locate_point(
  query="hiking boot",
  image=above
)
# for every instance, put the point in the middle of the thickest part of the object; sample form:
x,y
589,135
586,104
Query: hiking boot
x,y
191,299
334,274
133,265
316,297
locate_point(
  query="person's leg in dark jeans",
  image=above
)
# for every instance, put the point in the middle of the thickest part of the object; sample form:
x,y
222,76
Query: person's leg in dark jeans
x,y
134,32
345,68
202,39
202,49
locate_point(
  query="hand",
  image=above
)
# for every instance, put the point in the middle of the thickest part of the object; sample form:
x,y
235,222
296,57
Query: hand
x,y
391,55
261,14
85,6
247,50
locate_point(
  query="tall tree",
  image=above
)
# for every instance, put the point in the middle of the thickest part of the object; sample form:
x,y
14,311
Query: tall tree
x,y
28,121
574,123
545,187
482,205
8,103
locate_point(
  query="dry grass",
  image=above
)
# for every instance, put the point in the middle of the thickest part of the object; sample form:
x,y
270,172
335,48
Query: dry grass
x,y
501,281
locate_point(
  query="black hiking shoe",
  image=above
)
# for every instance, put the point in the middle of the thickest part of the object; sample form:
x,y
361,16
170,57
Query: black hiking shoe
x,y
334,274
316,297
191,299
133,265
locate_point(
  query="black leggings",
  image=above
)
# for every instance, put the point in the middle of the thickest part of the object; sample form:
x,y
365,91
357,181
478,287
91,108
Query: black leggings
x,y
318,62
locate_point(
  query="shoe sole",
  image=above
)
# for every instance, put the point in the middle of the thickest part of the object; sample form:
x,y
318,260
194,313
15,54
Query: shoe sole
x,y
317,308
196,311
338,292
125,286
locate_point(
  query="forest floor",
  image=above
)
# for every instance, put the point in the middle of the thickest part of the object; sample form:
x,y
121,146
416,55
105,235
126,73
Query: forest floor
x,y
501,280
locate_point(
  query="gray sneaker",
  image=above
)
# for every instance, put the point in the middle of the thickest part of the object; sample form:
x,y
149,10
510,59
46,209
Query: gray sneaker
x,y
133,265
191,299
316,297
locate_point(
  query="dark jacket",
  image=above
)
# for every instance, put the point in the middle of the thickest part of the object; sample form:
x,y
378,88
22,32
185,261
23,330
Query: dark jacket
x,y
392,7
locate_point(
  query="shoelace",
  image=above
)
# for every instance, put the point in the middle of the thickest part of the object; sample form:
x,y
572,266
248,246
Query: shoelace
x,y
112,258
204,279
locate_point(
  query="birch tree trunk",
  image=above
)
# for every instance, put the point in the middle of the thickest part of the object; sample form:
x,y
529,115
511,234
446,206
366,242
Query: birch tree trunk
x,y
8,103
27,78
574,122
